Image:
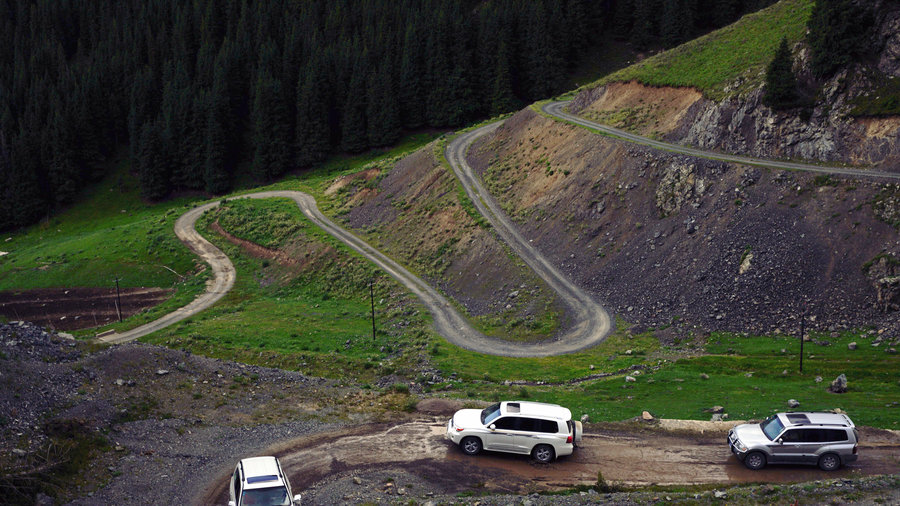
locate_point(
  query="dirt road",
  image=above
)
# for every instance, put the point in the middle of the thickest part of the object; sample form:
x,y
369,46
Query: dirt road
x,y
591,327
592,322
635,457
558,110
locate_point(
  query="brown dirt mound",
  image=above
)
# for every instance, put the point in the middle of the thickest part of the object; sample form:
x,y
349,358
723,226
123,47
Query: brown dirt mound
x,y
78,307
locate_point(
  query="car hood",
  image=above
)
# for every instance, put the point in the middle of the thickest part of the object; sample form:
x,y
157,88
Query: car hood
x,y
751,434
467,419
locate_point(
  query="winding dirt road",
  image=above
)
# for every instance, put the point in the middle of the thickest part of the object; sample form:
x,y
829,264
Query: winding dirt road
x,y
635,457
558,110
591,329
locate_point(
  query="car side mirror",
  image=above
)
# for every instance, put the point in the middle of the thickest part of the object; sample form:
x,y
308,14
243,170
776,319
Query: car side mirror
x,y
780,441
297,500
493,426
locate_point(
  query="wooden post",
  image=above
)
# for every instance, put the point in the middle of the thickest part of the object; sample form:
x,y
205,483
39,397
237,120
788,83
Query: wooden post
x,y
372,298
118,300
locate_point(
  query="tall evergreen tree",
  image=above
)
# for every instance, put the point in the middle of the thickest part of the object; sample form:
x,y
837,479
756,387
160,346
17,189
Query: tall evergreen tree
x,y
216,166
312,132
837,30
353,121
271,124
781,85
152,162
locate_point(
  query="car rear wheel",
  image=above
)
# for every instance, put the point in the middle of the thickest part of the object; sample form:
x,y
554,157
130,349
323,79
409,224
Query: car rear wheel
x,y
755,460
543,454
829,462
470,445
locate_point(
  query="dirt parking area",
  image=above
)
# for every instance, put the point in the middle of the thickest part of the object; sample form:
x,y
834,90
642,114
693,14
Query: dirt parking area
x,y
333,466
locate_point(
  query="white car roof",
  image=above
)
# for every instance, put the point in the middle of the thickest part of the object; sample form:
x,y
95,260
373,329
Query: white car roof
x,y
536,409
815,418
261,472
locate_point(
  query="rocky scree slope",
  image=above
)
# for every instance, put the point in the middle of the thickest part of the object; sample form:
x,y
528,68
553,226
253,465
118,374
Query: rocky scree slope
x,y
673,241
166,422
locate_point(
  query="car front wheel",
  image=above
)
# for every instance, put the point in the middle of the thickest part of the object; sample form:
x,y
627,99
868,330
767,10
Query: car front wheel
x,y
829,462
542,454
755,460
470,445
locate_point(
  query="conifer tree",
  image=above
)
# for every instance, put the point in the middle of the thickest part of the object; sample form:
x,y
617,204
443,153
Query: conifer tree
x,y
837,30
152,164
781,85
215,143
312,132
412,75
271,124
353,121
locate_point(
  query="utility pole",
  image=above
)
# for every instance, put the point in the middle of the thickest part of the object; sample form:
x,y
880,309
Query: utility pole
x,y
118,300
802,329
372,298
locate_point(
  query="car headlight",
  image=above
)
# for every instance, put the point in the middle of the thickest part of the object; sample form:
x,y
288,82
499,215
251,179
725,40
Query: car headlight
x,y
739,445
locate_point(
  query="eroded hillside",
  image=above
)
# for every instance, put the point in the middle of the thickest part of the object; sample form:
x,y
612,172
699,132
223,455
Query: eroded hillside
x,y
414,212
666,239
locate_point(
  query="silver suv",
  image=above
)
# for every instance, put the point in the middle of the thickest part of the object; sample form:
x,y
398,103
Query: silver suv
x,y
545,431
828,440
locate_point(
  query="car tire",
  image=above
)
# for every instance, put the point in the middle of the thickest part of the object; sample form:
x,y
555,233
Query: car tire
x,y
755,460
470,445
829,462
543,454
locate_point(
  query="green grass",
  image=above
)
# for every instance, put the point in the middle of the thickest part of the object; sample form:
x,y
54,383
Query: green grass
x,y
743,374
316,319
111,233
884,100
738,53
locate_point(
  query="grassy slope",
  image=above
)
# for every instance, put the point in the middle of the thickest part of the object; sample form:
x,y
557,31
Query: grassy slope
x,y
112,232
739,52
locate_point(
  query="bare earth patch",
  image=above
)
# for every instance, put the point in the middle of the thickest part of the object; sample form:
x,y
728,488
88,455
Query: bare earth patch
x,y
77,307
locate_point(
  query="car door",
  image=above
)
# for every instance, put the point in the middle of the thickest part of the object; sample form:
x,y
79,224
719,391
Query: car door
x,y
235,489
501,435
788,447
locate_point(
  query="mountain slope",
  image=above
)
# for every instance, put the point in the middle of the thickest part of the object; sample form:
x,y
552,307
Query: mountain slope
x,y
708,94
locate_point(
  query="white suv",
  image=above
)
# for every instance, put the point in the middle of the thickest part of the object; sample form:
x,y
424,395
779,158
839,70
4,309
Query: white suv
x,y
545,431
260,481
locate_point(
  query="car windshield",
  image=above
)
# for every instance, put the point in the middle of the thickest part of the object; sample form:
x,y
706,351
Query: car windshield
x,y
772,427
272,496
489,413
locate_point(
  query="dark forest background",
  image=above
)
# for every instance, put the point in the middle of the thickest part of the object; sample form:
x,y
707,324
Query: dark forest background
x,y
198,89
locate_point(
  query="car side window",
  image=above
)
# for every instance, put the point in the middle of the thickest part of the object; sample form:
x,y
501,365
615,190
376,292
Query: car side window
x,y
834,435
811,435
549,426
792,436
236,484
507,423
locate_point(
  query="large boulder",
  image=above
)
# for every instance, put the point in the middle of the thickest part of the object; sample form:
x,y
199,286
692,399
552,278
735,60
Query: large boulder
x,y
839,385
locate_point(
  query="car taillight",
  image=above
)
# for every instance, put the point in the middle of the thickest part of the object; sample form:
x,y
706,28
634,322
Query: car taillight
x,y
569,439
854,449
460,429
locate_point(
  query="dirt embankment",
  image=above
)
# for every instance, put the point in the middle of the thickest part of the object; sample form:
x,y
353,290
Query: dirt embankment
x,y
668,239
78,307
